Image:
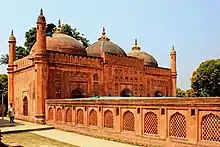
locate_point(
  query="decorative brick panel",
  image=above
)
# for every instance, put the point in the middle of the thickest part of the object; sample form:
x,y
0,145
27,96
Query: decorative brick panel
x,y
68,115
93,118
50,114
178,125
128,121
150,123
80,117
59,114
211,127
108,119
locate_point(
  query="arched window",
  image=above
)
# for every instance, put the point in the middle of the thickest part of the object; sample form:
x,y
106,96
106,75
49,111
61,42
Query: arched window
x,y
178,125
128,121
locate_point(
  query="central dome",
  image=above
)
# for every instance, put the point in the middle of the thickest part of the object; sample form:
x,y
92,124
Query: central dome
x,y
61,42
104,45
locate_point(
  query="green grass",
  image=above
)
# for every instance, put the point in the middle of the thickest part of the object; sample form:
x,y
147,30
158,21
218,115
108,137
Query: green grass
x,y
27,139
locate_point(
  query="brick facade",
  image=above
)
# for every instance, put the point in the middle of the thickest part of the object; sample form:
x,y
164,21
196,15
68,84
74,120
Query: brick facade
x,y
49,74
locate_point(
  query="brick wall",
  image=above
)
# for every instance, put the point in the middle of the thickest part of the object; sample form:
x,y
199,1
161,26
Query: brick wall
x,y
158,121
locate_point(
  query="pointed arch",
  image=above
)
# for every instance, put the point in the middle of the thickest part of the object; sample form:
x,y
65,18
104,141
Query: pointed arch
x,y
78,93
210,127
68,115
93,118
50,113
126,93
178,125
158,94
108,119
80,117
25,106
128,121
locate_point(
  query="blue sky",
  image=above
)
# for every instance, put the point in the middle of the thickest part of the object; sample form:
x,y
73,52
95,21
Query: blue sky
x,y
192,26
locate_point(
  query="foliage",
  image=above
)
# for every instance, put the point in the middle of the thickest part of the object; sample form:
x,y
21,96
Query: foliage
x,y
21,52
180,93
205,80
4,59
190,93
30,37
4,84
75,34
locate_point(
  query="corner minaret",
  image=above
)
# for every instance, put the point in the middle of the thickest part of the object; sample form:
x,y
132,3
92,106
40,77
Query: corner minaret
x,y
12,58
173,70
41,34
40,70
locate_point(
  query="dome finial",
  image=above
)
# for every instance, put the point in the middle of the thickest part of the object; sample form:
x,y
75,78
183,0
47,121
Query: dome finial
x,y
59,28
103,31
12,33
136,47
173,49
59,23
41,11
135,42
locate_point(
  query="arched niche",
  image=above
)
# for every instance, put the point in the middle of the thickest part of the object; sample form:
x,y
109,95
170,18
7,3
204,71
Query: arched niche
x,y
78,93
126,93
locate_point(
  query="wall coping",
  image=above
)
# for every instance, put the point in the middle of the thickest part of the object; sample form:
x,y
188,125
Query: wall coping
x,y
173,101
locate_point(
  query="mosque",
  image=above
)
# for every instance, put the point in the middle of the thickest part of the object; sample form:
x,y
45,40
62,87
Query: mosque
x,y
60,67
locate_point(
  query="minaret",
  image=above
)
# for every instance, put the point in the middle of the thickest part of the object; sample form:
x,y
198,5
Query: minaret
x,y
40,70
173,70
41,34
12,58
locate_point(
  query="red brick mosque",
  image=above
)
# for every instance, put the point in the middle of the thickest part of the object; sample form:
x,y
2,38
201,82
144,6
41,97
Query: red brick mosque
x,y
60,67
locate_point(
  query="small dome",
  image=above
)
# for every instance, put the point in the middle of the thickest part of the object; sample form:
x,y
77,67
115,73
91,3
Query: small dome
x,y
104,45
61,42
12,37
148,59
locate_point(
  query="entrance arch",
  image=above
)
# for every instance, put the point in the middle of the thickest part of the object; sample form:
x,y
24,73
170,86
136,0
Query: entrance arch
x,y
78,93
158,94
25,106
126,93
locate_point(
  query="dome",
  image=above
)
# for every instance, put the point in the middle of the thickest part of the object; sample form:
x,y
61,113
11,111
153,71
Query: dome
x,y
104,45
12,37
61,42
148,59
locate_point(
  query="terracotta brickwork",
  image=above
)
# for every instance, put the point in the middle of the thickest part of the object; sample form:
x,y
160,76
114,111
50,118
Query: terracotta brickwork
x,y
186,121
59,67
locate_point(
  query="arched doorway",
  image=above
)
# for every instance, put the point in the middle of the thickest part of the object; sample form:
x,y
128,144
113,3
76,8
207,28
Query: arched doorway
x,y
78,93
158,94
126,93
25,106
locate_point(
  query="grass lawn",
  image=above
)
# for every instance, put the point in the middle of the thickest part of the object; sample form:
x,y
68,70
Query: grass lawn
x,y
27,139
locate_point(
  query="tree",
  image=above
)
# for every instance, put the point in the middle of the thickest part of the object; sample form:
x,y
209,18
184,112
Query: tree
x,y
75,34
4,87
30,39
21,52
4,59
205,80
190,93
180,93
